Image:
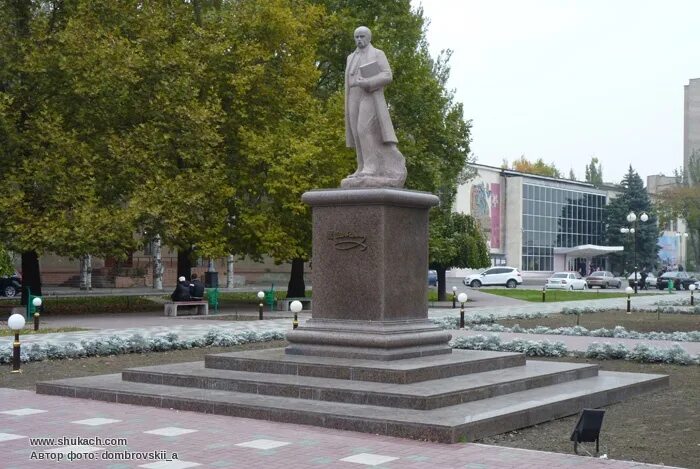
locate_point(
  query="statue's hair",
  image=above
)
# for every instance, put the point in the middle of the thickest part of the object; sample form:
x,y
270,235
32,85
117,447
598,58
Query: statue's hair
x,y
364,28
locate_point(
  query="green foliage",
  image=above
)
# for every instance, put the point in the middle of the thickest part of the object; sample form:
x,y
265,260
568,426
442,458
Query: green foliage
x,y
433,135
202,122
538,167
594,172
455,241
6,265
634,198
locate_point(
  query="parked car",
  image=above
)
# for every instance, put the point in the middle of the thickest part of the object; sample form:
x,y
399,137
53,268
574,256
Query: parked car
x,y
508,276
680,280
566,281
649,282
603,279
11,285
432,278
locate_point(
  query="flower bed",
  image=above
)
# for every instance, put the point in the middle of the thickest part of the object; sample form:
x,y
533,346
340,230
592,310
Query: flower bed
x,y
116,345
532,348
617,332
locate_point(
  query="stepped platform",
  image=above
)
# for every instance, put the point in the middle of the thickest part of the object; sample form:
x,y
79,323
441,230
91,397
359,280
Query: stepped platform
x,y
462,396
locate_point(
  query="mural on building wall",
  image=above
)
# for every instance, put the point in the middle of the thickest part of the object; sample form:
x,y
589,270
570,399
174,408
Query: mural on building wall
x,y
486,209
669,252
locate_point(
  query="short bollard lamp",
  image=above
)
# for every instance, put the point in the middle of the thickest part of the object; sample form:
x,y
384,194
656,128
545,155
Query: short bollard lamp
x,y
692,297
295,307
16,323
544,294
261,295
629,291
454,297
37,303
462,299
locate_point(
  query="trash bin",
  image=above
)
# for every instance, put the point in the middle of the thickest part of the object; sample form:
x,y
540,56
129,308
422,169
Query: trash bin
x,y
211,279
213,299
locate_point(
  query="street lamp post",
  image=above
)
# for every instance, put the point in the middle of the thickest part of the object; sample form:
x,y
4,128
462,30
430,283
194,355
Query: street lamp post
x,y
37,304
462,299
692,298
634,229
261,295
628,290
296,307
16,323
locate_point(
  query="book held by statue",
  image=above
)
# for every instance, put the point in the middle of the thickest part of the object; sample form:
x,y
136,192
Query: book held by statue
x,y
369,70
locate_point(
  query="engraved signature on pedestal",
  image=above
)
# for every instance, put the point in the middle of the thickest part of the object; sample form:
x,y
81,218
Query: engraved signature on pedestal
x,y
346,240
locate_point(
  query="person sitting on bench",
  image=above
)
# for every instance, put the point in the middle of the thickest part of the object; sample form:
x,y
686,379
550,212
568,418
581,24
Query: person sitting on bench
x,y
196,288
182,290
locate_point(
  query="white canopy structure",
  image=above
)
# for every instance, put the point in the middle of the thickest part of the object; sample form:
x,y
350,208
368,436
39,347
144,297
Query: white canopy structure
x,y
564,258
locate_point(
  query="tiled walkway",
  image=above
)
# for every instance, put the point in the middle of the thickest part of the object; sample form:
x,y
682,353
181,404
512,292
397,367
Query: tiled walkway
x,y
201,440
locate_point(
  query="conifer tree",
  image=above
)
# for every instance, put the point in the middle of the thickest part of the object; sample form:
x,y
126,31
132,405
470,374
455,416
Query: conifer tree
x,y
633,198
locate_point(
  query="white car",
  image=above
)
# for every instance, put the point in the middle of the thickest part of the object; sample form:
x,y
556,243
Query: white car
x,y
650,280
508,276
566,281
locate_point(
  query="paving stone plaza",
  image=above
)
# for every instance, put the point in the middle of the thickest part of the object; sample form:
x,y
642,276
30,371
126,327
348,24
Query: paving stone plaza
x,y
202,440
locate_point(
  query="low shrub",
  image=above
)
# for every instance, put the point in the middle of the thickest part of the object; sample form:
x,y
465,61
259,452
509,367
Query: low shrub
x,y
641,353
116,345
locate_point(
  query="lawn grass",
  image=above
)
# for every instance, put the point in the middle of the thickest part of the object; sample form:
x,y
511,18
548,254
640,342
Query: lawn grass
x,y
252,297
29,330
90,305
551,295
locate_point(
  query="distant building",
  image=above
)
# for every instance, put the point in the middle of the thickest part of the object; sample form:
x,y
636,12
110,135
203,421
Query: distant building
x,y
673,240
691,120
537,223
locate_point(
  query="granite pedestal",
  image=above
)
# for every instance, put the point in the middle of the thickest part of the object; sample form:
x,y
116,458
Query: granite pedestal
x,y
370,261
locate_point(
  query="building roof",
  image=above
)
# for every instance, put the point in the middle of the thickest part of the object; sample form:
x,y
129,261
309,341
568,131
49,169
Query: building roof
x,y
512,172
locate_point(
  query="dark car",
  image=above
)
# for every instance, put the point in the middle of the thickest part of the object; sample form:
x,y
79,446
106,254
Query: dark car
x,y
432,278
680,280
10,285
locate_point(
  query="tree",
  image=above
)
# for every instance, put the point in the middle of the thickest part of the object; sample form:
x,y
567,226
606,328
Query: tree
x,y
539,167
594,172
572,175
433,135
6,265
634,198
456,241
683,201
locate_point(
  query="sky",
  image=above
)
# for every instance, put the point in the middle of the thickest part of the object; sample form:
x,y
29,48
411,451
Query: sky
x,y
566,80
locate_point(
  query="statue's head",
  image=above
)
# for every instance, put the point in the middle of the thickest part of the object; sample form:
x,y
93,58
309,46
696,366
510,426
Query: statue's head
x,y
363,36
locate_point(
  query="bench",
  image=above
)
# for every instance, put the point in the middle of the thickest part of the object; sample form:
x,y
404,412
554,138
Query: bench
x,y
283,305
202,307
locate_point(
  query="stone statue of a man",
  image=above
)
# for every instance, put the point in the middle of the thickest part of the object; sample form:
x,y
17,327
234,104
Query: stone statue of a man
x,y
368,127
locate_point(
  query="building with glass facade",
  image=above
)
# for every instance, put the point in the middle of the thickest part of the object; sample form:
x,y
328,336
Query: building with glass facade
x,y
528,220
557,217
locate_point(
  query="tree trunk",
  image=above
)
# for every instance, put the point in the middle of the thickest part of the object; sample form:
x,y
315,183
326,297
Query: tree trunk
x,y
442,286
157,263
86,272
229,271
31,276
184,263
296,287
